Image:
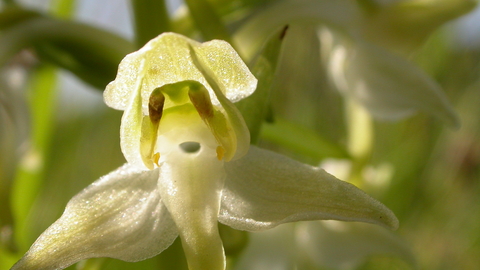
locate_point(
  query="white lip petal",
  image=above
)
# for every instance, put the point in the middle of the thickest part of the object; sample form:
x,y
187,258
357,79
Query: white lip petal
x,y
121,216
191,185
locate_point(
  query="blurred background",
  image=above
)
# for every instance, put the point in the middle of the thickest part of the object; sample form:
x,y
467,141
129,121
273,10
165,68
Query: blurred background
x,y
57,136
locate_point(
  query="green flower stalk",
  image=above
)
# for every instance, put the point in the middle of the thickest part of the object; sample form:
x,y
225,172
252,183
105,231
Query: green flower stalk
x,y
189,166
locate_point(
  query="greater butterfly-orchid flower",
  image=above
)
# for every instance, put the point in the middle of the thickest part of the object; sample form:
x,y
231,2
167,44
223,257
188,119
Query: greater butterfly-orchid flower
x,y
189,166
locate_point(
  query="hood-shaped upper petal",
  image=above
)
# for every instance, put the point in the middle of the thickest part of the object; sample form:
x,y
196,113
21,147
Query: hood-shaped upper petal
x,y
265,189
120,215
168,59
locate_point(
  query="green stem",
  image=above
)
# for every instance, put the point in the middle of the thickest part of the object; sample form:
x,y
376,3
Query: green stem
x,y
360,139
207,21
13,15
63,8
92,53
151,19
30,174
103,43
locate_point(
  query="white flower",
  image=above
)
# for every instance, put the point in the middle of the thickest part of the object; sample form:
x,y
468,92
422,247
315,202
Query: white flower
x,y
189,165
326,244
363,48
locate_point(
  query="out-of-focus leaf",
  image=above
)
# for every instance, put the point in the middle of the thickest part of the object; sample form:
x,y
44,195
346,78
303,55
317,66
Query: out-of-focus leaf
x,y
88,50
12,15
270,249
255,107
207,21
29,176
387,85
251,34
14,123
232,13
7,259
234,8
64,8
150,18
403,26
345,245
302,140
91,264
234,241
173,257
80,66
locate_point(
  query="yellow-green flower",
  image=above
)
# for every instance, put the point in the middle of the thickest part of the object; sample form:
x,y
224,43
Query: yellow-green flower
x,y
189,166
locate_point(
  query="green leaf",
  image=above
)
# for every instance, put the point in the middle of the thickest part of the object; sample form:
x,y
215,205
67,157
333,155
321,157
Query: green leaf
x,y
30,174
91,264
255,107
64,8
15,123
7,259
12,15
83,67
208,22
151,19
90,53
302,140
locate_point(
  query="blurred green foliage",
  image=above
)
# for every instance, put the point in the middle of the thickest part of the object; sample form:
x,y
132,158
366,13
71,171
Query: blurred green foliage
x,y
430,172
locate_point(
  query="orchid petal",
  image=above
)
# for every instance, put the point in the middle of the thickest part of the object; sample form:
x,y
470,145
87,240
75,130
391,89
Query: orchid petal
x,y
265,189
340,245
213,64
190,183
240,129
131,126
121,215
389,86
168,60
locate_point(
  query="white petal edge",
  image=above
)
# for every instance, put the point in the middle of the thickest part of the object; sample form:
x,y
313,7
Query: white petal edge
x,y
340,245
120,216
131,124
168,59
387,85
271,249
265,189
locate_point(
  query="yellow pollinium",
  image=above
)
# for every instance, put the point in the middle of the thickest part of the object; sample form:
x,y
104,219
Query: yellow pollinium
x,y
179,99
